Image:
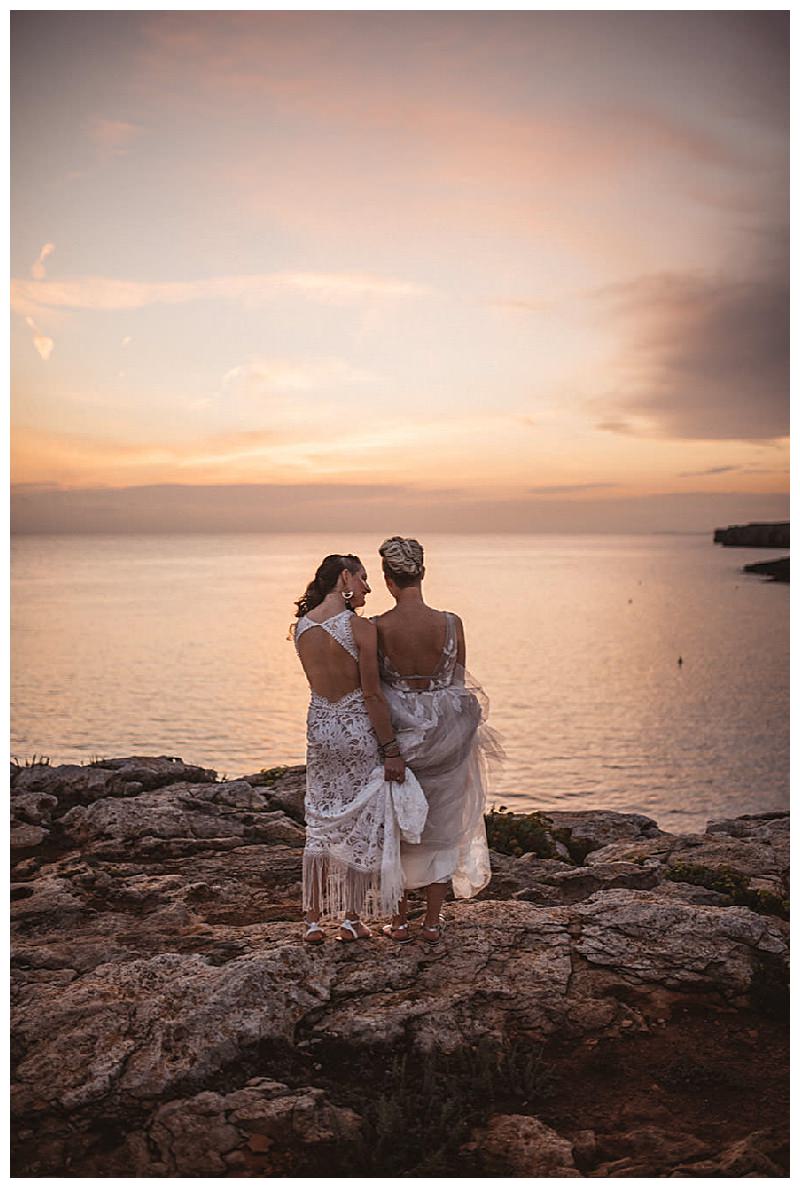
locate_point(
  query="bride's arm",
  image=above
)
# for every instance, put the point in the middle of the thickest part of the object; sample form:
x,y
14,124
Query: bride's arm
x,y
366,636
461,644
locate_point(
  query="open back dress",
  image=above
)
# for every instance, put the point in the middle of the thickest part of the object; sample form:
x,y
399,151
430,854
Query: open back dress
x,y
443,736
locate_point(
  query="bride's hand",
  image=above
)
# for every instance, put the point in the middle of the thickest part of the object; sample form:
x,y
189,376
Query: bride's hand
x,y
394,769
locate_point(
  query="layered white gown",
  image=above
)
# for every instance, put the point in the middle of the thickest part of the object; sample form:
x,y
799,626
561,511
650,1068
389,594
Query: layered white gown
x,y
443,736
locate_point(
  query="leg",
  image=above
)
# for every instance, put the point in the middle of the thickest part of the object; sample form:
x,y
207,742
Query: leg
x,y
314,934
398,929
434,894
353,928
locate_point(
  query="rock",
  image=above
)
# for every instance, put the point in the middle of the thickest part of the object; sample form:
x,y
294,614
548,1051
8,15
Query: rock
x,y
763,1153
584,1148
179,819
677,944
168,1019
142,1029
523,1146
581,882
27,837
776,570
690,893
267,1118
285,789
35,808
646,1151
755,535
591,829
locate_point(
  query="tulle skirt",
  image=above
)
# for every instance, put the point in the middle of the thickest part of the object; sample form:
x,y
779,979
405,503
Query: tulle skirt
x,y
445,740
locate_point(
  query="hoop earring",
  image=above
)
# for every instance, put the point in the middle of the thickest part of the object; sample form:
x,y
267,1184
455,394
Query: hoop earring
x,y
347,595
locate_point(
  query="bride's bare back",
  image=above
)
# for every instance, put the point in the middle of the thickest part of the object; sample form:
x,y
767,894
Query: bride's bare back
x,y
331,671
412,638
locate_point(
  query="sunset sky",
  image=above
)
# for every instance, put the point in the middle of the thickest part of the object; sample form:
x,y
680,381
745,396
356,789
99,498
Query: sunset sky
x,y
417,270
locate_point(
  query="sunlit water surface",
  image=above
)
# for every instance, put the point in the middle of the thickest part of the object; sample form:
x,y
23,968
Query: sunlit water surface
x,y
177,645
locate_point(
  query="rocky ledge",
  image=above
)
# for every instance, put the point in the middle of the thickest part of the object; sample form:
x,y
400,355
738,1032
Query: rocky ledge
x,y
612,1005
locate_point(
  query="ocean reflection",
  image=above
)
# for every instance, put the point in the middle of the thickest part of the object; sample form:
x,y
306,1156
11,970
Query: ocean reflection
x,y
177,645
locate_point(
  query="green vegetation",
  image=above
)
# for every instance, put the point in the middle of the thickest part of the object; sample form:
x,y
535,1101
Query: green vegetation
x,y
531,833
272,774
730,882
34,761
427,1108
519,833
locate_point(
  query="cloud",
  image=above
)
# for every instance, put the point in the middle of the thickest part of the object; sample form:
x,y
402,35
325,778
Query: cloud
x,y
289,376
126,340
42,344
113,137
38,269
368,507
706,357
616,425
108,293
569,488
711,470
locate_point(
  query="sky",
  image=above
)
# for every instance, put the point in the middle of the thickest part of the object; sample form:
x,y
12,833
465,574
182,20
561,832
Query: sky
x,y
452,271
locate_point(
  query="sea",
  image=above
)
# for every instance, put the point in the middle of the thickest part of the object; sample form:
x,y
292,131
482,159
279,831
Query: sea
x,y
638,673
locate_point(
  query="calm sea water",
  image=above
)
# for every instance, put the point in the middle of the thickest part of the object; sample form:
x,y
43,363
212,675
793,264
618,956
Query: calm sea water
x,y
177,645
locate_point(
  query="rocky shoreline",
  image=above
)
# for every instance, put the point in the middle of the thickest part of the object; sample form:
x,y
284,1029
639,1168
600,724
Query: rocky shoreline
x,y
613,1004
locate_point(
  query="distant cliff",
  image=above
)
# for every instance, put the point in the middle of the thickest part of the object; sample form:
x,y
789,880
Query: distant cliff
x,y
754,536
776,571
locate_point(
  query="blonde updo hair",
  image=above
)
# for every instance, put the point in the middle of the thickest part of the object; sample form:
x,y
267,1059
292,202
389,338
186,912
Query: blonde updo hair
x,y
403,560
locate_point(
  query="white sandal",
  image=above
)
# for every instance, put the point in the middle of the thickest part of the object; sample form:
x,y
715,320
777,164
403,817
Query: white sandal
x,y
438,928
313,926
391,931
350,926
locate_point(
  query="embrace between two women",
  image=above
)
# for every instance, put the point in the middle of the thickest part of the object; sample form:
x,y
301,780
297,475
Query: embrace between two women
x,y
397,751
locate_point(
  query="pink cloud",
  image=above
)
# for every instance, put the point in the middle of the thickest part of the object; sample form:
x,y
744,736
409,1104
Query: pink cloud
x,y
113,136
108,293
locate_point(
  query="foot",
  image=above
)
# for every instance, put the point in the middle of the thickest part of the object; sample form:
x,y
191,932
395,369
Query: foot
x,y
432,932
398,932
352,930
313,934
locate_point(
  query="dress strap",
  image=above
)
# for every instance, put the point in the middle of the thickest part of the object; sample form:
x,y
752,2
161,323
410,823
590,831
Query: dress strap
x,y
338,627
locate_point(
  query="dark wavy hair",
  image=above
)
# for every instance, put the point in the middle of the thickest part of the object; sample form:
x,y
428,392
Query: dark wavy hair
x,y
325,579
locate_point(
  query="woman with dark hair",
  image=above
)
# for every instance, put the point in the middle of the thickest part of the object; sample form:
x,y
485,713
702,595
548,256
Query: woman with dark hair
x,y
352,833
439,715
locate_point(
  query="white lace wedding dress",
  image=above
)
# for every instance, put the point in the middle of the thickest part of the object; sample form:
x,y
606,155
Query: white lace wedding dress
x,y
444,739
355,821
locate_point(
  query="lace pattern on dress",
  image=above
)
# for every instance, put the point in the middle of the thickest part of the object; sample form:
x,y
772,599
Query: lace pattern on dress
x,y
338,626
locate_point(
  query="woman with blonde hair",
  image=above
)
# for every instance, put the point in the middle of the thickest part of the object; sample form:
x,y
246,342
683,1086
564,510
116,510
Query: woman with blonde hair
x,y
439,717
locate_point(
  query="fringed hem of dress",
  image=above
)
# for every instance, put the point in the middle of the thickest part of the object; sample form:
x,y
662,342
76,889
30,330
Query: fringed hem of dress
x,y
352,857
333,888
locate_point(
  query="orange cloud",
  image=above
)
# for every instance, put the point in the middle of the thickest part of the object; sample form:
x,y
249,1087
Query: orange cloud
x,y
113,136
38,269
42,344
108,293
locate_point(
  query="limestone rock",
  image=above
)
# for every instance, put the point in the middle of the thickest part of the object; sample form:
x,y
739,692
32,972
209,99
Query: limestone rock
x,y
27,837
35,808
593,828
523,1146
763,1153
646,1151
285,790
158,964
675,943
187,815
